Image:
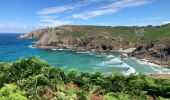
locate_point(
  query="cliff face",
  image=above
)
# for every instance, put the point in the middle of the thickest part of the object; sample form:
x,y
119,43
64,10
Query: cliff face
x,y
156,51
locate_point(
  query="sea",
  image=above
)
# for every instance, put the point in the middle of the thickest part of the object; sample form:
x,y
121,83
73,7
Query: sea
x,y
12,49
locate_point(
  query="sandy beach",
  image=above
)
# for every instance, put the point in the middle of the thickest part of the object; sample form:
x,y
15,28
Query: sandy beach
x,y
159,76
129,50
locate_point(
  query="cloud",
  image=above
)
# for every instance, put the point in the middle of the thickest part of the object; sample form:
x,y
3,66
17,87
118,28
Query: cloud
x,y
108,7
114,7
52,10
46,21
94,13
166,22
61,9
13,27
127,3
51,21
99,0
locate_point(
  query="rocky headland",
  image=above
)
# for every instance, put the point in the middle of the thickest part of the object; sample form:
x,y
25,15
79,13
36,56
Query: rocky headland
x,y
157,52
149,42
72,37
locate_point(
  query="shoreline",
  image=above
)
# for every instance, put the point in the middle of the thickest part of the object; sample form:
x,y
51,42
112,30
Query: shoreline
x,y
153,61
73,49
159,76
125,51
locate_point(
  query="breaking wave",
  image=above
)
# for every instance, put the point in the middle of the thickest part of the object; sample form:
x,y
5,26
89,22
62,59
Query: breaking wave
x,y
117,63
155,67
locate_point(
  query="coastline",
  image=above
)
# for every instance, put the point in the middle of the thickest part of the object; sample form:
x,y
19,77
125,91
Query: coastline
x,y
154,61
159,76
127,51
78,49
123,52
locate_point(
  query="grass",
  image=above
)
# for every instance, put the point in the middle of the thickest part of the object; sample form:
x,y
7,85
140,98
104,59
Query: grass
x,y
128,33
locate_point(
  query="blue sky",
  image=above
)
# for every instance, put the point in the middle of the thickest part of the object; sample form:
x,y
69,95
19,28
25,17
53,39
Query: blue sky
x,y
27,15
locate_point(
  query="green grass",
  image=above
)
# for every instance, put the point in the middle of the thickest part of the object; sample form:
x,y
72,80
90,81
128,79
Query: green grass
x,y
77,34
128,33
157,33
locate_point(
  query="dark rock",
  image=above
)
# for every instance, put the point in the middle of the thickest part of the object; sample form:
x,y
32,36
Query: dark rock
x,y
104,47
157,52
139,48
150,45
167,50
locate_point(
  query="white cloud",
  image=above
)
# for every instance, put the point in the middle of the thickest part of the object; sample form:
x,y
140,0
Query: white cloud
x,y
166,22
99,0
13,27
53,21
61,9
46,21
53,10
127,3
94,13
111,8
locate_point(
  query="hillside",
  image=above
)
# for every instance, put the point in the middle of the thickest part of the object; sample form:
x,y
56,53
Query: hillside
x,y
37,80
83,38
107,38
120,35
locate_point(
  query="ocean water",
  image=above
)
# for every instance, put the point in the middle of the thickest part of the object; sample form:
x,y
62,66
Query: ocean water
x,y
11,49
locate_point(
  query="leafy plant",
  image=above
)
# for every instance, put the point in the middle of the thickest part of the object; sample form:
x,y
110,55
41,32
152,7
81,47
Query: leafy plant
x,y
36,80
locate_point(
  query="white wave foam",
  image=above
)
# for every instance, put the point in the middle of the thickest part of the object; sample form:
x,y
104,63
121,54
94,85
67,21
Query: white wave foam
x,y
84,52
115,62
58,49
110,56
54,49
30,46
61,49
155,67
131,70
33,42
146,62
89,53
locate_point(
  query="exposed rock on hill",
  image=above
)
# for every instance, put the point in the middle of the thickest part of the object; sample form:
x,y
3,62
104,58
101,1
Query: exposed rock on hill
x,y
157,52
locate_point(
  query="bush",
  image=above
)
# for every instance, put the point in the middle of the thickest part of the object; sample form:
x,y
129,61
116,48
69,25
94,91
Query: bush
x,y
11,92
36,80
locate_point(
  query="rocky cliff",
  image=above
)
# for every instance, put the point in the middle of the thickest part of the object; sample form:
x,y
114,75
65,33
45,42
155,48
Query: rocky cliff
x,y
157,52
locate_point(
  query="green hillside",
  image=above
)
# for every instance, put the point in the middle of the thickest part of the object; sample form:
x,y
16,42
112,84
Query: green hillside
x,y
130,33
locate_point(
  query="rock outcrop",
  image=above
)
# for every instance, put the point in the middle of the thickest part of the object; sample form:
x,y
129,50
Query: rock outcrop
x,y
157,52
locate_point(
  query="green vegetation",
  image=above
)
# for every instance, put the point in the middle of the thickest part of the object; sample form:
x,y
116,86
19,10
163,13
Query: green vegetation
x,y
99,38
131,33
34,79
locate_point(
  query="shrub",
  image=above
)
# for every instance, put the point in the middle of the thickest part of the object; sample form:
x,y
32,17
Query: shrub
x,y
11,92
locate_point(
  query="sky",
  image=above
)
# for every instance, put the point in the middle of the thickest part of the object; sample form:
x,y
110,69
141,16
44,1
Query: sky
x,y
22,16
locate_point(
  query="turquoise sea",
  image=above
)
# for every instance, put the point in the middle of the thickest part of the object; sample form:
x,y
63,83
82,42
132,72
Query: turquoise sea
x,y
11,49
